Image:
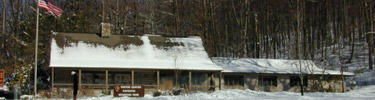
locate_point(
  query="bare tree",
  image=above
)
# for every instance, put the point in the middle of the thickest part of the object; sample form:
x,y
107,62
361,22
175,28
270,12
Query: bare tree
x,y
178,57
341,61
301,74
324,66
370,18
300,7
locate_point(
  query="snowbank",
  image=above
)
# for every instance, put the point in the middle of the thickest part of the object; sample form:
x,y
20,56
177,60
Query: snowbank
x,y
365,93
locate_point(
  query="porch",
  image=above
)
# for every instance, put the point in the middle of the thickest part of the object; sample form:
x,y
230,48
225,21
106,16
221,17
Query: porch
x,y
96,81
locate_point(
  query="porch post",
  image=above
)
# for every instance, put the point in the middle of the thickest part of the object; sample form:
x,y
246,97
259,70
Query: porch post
x,y
212,80
189,79
132,77
158,79
220,78
79,79
53,76
106,82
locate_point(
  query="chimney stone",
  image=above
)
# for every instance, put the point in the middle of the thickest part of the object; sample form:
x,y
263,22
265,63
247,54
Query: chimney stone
x,y
105,30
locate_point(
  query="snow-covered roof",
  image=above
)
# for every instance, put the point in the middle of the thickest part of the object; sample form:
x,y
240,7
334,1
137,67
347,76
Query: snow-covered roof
x,y
128,51
270,66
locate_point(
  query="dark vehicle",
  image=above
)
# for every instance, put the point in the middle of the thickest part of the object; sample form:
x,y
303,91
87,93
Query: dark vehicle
x,y
4,92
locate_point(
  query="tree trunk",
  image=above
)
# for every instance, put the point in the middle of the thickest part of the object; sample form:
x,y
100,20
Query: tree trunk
x,y
103,11
125,16
352,49
4,19
117,22
370,50
299,17
135,18
257,35
176,17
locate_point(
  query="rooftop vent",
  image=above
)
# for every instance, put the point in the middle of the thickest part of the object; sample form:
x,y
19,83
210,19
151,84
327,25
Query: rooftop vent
x,y
105,30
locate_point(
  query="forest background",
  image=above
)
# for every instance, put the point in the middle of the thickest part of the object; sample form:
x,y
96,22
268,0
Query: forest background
x,y
273,29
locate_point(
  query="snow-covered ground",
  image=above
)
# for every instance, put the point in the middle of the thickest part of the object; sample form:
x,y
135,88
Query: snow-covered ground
x,y
363,93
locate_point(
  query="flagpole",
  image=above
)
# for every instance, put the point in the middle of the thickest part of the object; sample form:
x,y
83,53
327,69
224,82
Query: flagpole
x,y
36,49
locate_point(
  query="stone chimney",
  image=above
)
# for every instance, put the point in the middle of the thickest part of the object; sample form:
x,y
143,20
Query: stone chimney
x,y
105,30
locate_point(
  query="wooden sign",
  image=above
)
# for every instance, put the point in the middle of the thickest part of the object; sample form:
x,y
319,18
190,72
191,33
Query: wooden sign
x,y
1,78
129,90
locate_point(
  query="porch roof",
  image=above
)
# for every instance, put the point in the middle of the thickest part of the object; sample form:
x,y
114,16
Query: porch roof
x,y
271,66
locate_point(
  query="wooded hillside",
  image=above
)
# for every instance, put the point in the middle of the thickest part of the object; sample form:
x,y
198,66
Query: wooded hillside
x,y
280,29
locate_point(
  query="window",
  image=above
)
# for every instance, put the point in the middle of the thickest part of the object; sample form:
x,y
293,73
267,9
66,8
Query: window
x,y
87,78
93,77
166,80
145,78
166,77
233,80
267,81
122,78
296,81
119,77
63,76
199,78
183,79
99,78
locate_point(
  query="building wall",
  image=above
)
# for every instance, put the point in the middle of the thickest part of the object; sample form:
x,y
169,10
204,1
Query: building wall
x,y
333,84
251,81
216,79
283,84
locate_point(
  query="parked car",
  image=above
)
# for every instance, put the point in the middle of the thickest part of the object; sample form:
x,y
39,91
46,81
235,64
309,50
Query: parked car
x,y
4,91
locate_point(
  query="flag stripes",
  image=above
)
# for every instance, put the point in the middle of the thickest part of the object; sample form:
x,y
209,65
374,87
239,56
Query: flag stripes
x,y
54,10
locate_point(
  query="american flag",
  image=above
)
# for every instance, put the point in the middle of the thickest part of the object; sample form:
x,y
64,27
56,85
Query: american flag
x,y
54,10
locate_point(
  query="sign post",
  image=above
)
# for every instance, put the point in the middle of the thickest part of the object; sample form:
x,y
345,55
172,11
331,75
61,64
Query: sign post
x,y
129,90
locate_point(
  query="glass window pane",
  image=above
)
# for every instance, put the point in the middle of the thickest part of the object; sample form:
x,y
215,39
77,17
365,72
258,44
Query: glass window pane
x,y
87,78
122,79
93,77
63,76
234,80
145,78
198,78
267,80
